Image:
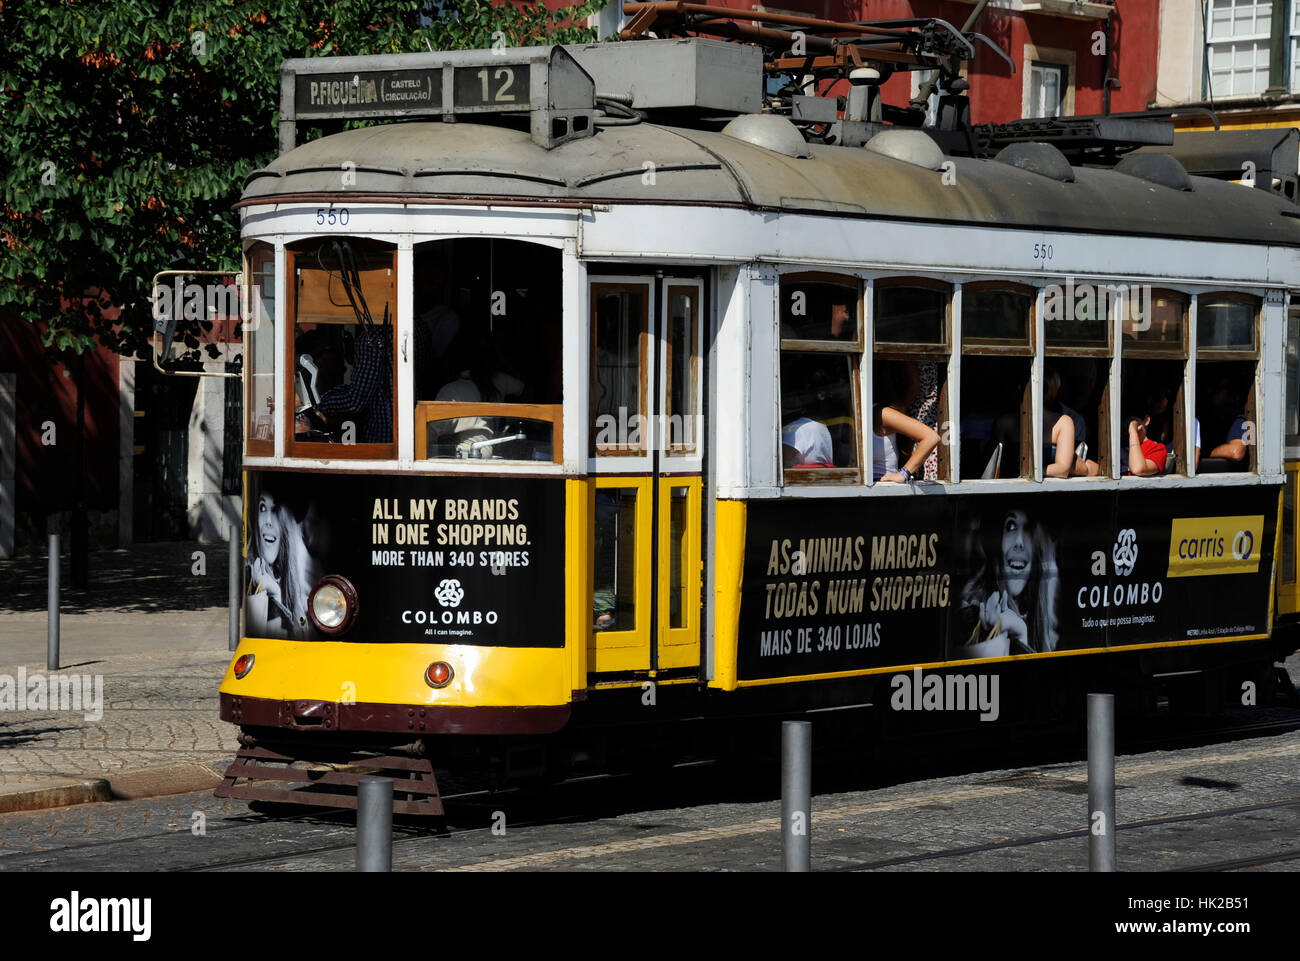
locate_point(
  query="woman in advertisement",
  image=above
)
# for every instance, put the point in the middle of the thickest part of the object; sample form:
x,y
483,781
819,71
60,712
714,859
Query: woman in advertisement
x,y
278,574
1011,599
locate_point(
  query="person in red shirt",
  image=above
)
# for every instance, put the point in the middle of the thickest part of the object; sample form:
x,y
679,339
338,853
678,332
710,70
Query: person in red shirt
x,y
1142,457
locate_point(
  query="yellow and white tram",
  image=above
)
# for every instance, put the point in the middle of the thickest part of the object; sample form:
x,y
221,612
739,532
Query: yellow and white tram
x,y
566,411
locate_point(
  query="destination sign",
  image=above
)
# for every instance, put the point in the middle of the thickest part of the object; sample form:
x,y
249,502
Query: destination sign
x,y
492,87
361,93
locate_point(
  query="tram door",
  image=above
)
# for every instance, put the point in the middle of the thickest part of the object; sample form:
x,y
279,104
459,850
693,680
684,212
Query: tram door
x,y
645,456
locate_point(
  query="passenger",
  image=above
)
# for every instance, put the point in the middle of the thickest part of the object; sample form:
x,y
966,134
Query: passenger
x,y
806,443
476,383
1142,457
887,423
368,395
1063,429
1011,600
1234,447
923,384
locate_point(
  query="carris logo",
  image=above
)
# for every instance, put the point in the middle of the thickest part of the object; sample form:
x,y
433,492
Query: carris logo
x,y
449,593
1125,552
1242,544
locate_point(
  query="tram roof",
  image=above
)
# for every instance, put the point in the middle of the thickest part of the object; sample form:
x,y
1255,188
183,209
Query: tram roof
x,y
406,161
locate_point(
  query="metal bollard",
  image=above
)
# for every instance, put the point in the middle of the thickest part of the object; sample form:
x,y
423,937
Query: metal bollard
x,y
236,594
796,795
52,615
375,824
1101,782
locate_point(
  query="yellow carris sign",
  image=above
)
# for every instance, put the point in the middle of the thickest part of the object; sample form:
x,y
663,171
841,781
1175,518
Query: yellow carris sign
x,y
1202,546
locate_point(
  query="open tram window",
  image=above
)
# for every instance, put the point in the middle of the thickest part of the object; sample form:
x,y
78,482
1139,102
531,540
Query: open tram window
x,y
821,343
911,333
1077,335
259,367
996,372
1152,413
488,341
1227,350
342,306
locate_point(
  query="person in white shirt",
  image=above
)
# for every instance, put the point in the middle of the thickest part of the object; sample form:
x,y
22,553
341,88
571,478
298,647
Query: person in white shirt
x,y
806,443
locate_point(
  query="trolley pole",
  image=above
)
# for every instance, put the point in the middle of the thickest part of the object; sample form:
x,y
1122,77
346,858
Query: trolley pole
x,y
375,824
796,795
52,608
1101,782
235,592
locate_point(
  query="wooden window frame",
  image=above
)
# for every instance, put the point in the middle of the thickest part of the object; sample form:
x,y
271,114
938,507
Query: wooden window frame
x,y
595,289
427,411
316,449
998,346
1169,350
1222,353
803,345
913,349
800,476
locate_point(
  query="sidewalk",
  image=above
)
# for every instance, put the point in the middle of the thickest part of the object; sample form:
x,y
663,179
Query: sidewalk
x,y
153,633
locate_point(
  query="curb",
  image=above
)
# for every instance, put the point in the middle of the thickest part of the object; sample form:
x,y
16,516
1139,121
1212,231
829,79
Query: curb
x,y
134,785
38,799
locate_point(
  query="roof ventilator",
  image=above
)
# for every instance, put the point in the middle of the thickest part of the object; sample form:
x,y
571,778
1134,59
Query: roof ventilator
x,y
770,132
909,146
1039,158
1157,168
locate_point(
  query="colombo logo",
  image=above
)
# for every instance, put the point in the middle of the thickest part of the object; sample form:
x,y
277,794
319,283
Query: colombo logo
x,y
1125,552
1207,546
449,593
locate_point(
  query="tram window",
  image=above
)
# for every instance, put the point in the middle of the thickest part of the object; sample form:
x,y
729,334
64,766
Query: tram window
x,y
820,351
620,341
1152,418
820,307
997,360
614,583
682,365
487,336
1226,322
678,559
819,425
910,311
995,417
1225,411
343,302
1077,389
919,389
259,369
1155,321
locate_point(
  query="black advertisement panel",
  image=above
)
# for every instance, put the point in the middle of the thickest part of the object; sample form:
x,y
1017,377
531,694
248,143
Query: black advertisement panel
x,y
855,583
440,560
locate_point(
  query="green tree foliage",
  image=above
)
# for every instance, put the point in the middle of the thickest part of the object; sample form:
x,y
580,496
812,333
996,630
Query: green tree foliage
x,y
128,127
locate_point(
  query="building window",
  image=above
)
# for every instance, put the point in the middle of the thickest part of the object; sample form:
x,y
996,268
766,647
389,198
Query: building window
x,y
1047,83
1237,46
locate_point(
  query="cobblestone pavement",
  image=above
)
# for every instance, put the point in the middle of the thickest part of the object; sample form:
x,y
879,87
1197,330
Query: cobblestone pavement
x,y
1205,807
153,628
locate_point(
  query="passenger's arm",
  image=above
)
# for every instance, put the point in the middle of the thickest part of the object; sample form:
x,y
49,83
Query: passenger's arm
x,y
1232,450
1138,463
927,438
1063,438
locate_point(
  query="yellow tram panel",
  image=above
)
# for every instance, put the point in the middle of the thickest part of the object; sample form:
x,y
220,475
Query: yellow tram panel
x,y
344,672
729,561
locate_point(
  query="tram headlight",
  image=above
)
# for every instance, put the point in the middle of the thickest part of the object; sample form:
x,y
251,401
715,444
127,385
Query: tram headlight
x,y
243,665
438,674
332,605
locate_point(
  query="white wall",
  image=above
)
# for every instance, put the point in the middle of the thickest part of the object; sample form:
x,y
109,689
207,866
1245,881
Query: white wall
x,y
1181,52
